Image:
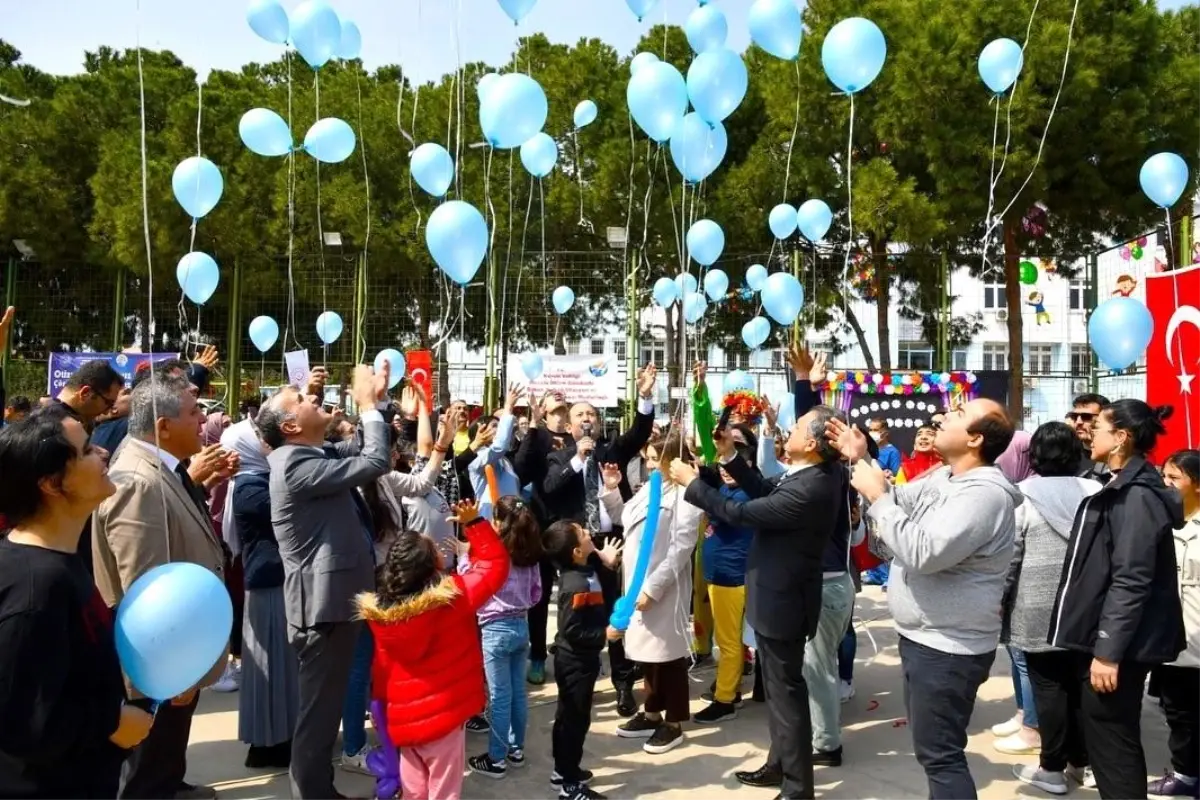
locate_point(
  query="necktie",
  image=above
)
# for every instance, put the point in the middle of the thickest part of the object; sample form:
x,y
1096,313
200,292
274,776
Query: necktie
x,y
591,495
194,491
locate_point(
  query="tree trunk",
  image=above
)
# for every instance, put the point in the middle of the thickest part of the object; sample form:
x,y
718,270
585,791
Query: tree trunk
x,y
1016,333
882,282
861,335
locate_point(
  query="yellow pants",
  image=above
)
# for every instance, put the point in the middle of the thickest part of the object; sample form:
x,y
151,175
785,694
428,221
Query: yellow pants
x,y
702,616
728,610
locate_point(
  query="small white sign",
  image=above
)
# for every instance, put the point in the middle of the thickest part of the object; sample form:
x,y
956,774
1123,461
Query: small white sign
x,y
297,367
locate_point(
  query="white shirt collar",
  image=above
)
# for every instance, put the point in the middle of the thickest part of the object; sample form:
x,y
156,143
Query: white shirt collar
x,y
794,468
169,461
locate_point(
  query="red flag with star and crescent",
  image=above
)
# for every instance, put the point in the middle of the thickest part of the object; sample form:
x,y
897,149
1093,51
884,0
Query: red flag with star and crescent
x,y
1173,356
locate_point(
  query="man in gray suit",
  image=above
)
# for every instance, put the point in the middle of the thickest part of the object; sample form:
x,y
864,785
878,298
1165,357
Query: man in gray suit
x,y
325,542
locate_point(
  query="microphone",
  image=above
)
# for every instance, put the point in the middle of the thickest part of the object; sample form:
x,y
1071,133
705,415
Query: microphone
x,y
587,429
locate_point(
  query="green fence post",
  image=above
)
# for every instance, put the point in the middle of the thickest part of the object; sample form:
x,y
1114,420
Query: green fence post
x,y
118,320
360,310
1092,294
632,338
10,299
233,335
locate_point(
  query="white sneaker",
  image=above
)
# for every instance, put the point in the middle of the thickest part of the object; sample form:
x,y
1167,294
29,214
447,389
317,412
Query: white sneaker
x,y
845,690
356,763
1016,745
1047,781
1010,726
1081,775
230,680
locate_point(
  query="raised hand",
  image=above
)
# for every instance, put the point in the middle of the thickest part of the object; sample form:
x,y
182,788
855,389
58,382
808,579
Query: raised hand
x,y
770,413
611,473
317,378
682,474
6,326
465,511
205,464
610,553
410,401
819,372
209,357
514,394
848,439
699,372
646,381
801,362
535,410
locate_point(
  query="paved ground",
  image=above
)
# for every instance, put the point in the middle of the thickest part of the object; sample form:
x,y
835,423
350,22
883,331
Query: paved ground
x,y
878,750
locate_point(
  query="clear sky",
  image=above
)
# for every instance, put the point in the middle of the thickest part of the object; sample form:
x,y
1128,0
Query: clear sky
x,y
419,34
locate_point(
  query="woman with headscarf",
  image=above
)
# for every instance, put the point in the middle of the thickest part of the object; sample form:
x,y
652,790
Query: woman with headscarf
x,y
1014,462
270,693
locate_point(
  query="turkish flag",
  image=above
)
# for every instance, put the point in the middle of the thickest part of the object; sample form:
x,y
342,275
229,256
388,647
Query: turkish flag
x,y
420,371
1173,356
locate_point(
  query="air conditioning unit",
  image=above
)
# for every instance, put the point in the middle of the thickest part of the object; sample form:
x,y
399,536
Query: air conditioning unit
x,y
1029,383
1002,315
1080,387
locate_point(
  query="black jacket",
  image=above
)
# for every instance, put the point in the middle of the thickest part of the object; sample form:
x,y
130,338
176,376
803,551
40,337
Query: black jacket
x,y
794,518
530,462
562,486
582,620
1118,597
261,564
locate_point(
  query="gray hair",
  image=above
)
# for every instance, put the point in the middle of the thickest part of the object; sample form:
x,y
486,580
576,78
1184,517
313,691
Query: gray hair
x,y
816,429
152,400
269,422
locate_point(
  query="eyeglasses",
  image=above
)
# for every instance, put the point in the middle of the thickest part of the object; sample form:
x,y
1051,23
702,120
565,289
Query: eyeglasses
x,y
935,425
1080,416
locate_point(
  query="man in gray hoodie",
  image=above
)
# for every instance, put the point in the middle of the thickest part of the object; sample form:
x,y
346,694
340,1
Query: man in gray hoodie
x,y
951,533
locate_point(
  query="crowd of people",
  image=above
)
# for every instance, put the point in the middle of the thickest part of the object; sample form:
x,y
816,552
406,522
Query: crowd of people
x,y
402,562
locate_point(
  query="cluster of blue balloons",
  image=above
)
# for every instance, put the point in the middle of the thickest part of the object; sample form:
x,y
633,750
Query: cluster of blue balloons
x,y
563,298
264,132
314,29
329,327
658,95
1000,63
853,54
705,241
813,219
264,332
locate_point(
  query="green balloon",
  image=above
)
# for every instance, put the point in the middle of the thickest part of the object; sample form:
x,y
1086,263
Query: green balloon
x,y
1136,251
1029,274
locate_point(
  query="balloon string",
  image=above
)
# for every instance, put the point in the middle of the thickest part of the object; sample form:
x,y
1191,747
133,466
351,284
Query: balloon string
x,y
507,256
362,143
460,96
181,306
849,211
787,173
290,324
991,206
320,229
1187,407
579,175
516,324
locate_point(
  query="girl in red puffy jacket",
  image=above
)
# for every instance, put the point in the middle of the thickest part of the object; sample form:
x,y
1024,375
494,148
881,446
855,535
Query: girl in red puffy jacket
x,y
428,665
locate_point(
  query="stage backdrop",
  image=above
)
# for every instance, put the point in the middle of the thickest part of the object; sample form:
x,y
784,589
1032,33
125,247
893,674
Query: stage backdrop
x,y
63,366
583,379
1173,355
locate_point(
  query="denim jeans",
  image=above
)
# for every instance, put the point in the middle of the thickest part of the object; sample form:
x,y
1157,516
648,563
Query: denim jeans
x,y
1022,688
358,689
505,648
820,662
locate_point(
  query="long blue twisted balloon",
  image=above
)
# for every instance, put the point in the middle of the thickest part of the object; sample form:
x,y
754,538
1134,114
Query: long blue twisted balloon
x,y
623,610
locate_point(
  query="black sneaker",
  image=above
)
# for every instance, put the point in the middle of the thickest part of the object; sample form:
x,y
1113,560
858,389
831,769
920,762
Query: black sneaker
x,y
483,765
710,696
715,713
747,668
626,702
516,757
579,791
665,739
827,758
478,724
638,728
585,777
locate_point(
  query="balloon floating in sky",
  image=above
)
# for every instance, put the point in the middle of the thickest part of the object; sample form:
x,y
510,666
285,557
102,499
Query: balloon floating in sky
x,y
517,9
705,241
1164,176
264,332
685,284
198,185
268,19
585,114
395,360
694,306
853,54
1119,330
665,292
457,238
539,155
756,277
755,332
716,284
658,98
264,132
782,221
512,110
350,42
563,298
316,32
531,365
697,148
641,60
329,140
776,27
706,29
486,82
432,168
171,627
198,276
783,297
1000,64
641,8
739,381
814,218
329,326
716,83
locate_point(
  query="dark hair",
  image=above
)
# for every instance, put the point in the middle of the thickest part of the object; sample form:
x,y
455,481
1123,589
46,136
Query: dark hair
x,y
473,429
750,437
559,542
816,429
1188,462
1055,451
383,521
160,370
881,422
1141,421
1090,399
997,431
32,450
98,375
519,530
411,567
670,446
20,404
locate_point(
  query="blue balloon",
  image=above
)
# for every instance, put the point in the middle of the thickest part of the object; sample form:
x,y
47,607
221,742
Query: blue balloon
x,y
1119,330
330,140
457,238
685,284
716,284
329,326
756,277
755,332
539,155
716,83
853,54
694,306
641,60
705,241
264,332
739,381
641,8
657,98
706,29
782,221
775,26
316,32
264,132
563,298
697,148
1164,176
395,361
585,113
486,82
350,42
814,218
1000,64
517,9
268,19
783,297
432,168
198,276
787,412
198,185
512,110
623,609
531,365
665,292
171,628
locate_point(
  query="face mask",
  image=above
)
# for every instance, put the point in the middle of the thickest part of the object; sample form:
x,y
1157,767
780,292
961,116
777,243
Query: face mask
x,y
876,436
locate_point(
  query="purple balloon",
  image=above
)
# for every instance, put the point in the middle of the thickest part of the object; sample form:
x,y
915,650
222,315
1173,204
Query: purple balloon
x,y
383,762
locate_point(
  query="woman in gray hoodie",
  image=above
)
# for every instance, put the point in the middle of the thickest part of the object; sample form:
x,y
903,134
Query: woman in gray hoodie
x,y
1044,520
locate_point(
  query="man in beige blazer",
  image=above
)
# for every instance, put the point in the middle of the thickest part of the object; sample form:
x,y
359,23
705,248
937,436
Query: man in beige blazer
x,y
157,516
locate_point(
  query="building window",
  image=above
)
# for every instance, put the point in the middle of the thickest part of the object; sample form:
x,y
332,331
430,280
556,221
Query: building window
x,y
620,347
597,347
915,355
993,296
1077,295
1081,359
995,356
737,360
572,348
958,360
655,352
1041,359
